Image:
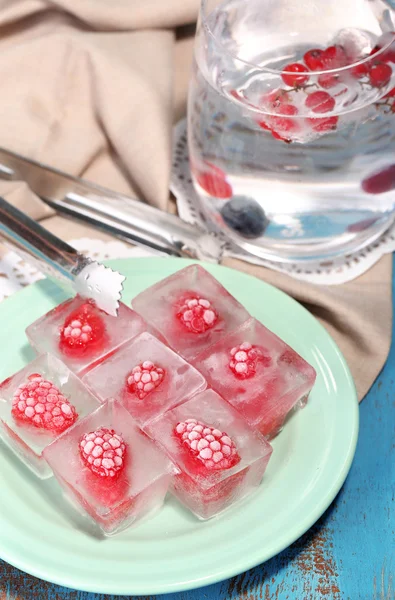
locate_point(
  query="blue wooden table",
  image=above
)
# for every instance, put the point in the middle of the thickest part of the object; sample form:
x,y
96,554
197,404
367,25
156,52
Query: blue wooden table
x,y
348,555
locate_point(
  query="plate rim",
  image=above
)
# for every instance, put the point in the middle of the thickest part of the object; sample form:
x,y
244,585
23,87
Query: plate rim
x,y
250,560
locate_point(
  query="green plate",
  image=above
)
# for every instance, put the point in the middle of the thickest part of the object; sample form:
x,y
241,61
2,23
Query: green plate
x,y
174,551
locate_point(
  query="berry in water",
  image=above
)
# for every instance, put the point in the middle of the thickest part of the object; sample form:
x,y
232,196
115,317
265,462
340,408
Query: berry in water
x,y
381,182
245,216
324,124
380,74
320,102
314,59
294,75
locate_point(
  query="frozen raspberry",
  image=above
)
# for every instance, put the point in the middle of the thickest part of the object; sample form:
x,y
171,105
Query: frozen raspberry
x,y
294,75
82,330
211,446
390,94
314,59
213,181
243,360
144,378
380,74
320,102
40,403
103,452
197,314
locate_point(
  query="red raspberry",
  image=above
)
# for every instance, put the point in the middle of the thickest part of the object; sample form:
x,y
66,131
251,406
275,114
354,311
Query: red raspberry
x,y
243,360
320,102
214,184
380,74
214,448
324,124
40,403
83,330
144,378
314,60
390,94
197,314
103,452
293,75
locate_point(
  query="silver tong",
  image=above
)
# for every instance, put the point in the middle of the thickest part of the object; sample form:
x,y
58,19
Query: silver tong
x,y
58,260
121,216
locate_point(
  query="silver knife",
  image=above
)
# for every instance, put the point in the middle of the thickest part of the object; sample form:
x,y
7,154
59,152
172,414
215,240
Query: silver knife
x,y
121,216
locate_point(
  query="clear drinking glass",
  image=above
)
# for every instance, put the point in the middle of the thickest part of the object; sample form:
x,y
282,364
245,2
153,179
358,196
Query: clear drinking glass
x,y
291,123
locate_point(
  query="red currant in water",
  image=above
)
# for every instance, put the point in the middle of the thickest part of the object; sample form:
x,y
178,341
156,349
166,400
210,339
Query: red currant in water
x,y
328,80
320,102
360,71
334,57
275,99
313,59
323,124
294,75
380,74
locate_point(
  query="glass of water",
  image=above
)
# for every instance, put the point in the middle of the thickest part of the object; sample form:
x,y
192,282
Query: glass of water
x,y
291,124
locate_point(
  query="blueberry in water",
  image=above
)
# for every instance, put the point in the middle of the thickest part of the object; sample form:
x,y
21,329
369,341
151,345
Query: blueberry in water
x,y
244,215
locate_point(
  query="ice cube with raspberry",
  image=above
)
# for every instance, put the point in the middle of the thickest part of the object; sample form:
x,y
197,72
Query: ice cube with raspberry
x,y
147,377
220,457
259,374
191,310
82,335
38,404
109,469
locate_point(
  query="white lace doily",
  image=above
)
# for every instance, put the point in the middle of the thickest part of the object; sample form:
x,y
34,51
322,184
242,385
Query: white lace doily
x,y
331,272
16,274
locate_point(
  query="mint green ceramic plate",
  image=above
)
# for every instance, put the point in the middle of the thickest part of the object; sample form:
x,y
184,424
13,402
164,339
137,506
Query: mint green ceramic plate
x,y
174,551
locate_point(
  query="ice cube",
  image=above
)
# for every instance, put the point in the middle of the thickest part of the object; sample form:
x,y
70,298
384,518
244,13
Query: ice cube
x,y
37,404
191,309
81,335
110,469
220,457
357,43
147,377
259,374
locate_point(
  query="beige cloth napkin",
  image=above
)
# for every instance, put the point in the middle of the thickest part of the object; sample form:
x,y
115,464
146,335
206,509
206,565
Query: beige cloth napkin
x,y
93,87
